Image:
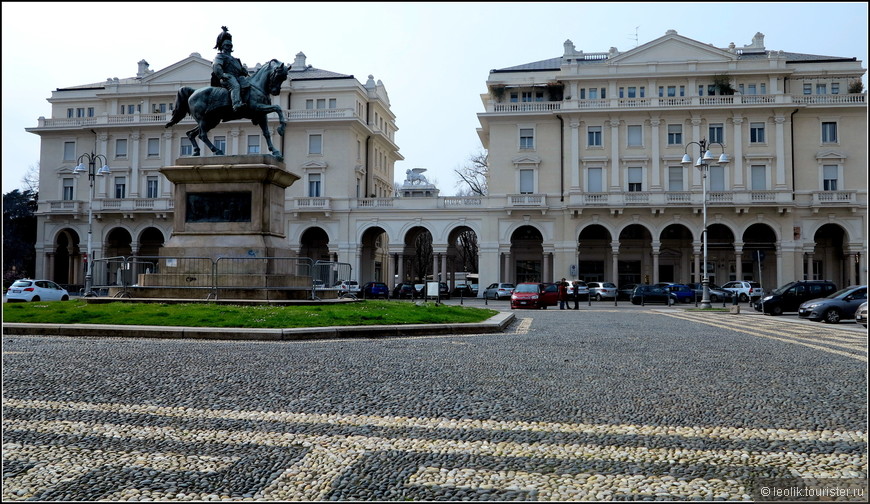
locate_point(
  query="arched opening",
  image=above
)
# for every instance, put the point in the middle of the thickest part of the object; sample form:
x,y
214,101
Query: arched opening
x,y
759,253
109,271
594,256
374,255
675,254
463,253
315,244
829,260
417,255
635,254
67,265
721,267
527,252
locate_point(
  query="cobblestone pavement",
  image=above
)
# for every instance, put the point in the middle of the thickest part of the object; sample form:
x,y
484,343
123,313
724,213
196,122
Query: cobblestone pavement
x,y
596,404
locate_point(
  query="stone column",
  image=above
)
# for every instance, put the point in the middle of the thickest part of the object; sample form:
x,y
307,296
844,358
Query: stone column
x,y
507,276
614,248
655,162
545,268
443,267
737,161
696,252
853,258
655,257
574,154
738,262
400,257
780,153
614,156
809,265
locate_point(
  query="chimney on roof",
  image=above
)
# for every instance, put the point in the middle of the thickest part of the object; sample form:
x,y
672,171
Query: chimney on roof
x,y
299,63
143,69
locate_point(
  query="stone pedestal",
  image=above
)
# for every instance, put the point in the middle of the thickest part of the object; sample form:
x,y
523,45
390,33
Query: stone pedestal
x,y
228,206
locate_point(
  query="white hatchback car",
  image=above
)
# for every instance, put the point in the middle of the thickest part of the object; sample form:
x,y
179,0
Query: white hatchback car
x,y
602,290
36,290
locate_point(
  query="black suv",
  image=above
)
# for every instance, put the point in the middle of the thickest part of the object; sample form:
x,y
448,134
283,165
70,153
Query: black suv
x,y
790,296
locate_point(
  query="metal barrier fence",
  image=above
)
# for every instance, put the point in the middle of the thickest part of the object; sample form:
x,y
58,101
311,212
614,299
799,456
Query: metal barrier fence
x,y
214,276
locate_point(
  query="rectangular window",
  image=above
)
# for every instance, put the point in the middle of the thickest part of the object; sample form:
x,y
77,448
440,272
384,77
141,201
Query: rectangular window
x,y
756,132
635,179
643,91
594,183
583,93
759,177
131,109
321,103
632,92
67,189
682,90
121,148
675,178
675,134
829,132
514,97
808,88
527,96
593,93
90,111
763,88
717,178
701,90
314,185
70,113
527,181
333,103
151,187
635,136
309,104
821,89
661,91
120,187
186,149
221,143
603,93
153,147
830,177
253,144
593,136
69,151
672,91
835,88
751,89
622,92
80,112
315,144
717,133
527,138
740,88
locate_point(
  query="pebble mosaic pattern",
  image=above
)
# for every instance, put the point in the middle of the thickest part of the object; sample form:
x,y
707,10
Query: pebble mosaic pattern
x,y
533,414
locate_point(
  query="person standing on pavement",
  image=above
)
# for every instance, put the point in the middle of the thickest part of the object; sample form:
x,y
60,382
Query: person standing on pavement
x,y
563,294
576,295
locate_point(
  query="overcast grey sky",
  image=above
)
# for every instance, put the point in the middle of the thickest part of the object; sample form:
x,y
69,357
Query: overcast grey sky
x,y
433,58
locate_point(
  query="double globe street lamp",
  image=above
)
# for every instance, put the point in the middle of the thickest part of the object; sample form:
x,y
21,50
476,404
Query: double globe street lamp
x,y
92,160
703,164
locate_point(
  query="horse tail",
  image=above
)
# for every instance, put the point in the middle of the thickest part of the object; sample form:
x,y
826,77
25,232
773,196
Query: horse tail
x,y
181,107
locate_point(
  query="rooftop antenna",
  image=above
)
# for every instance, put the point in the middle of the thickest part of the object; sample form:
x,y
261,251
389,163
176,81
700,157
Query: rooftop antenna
x,y
635,36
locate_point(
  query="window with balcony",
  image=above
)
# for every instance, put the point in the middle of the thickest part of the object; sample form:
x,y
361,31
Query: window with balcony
x,y
221,143
321,103
70,113
253,144
80,112
635,136
514,97
835,88
675,178
527,138
120,187
675,134
186,149
68,189
758,175
716,133
756,132
527,181
90,111
635,179
151,187
829,132
527,96
632,92
716,176
593,136
593,94
121,148
595,177
309,104
314,181
672,91
69,151
315,144
153,147
808,88
333,103
751,89
821,89
830,177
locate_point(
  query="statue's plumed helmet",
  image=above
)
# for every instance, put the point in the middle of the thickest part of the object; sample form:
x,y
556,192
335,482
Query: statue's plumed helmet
x,y
225,35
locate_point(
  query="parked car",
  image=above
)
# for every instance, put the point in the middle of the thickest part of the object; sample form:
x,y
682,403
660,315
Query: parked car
x,y
36,290
744,290
498,291
475,288
373,290
682,293
404,291
644,294
838,306
624,293
861,315
581,287
345,286
534,295
443,290
463,290
790,296
716,293
602,290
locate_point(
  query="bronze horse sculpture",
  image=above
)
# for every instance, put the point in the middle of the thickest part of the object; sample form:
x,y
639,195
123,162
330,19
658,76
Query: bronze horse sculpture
x,y
210,105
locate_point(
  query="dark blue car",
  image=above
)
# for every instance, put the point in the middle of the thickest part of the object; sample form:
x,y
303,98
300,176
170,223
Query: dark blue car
x,y
375,290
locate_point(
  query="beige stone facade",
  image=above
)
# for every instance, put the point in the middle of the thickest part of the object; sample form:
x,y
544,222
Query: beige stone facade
x,y
586,179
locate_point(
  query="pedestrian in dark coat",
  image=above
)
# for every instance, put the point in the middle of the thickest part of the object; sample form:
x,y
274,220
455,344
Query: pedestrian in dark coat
x,y
563,294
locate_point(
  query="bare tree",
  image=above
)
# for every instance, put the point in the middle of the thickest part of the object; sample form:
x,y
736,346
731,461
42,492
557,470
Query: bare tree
x,y
473,176
468,250
31,179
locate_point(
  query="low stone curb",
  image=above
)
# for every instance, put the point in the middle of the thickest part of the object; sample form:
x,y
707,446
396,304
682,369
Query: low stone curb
x,y
497,323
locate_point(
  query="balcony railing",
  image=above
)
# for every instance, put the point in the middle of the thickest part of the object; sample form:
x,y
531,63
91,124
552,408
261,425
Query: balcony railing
x,y
131,205
527,200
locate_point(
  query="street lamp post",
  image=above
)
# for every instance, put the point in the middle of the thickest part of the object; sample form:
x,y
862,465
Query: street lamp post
x,y
703,164
92,160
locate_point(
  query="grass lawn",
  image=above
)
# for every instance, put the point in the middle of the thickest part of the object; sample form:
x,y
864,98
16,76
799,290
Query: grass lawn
x,y
77,311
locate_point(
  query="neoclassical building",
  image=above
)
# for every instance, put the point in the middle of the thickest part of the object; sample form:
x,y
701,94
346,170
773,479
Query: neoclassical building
x,y
586,178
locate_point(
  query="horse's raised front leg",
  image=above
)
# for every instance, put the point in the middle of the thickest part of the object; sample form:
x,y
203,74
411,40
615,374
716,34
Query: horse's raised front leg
x,y
204,137
275,152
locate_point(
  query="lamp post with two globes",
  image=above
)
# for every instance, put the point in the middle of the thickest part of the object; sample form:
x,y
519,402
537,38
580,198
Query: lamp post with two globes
x,y
92,160
703,164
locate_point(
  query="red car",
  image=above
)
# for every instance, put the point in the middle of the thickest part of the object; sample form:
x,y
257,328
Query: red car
x,y
534,295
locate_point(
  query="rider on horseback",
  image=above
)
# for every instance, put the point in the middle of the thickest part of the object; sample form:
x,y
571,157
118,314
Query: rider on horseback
x,y
227,71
